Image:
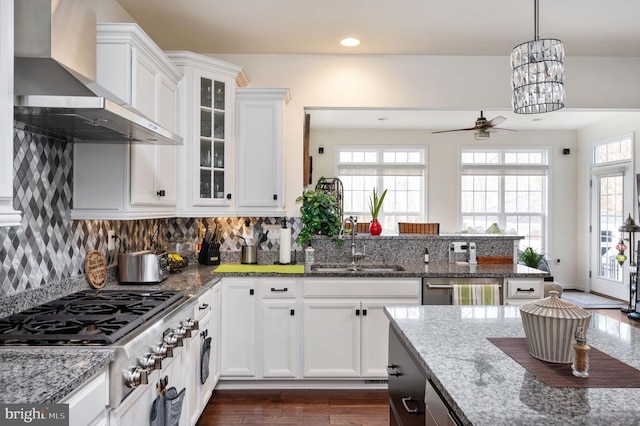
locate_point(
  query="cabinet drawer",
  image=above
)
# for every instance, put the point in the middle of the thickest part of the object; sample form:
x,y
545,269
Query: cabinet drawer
x,y
362,287
406,385
525,289
279,289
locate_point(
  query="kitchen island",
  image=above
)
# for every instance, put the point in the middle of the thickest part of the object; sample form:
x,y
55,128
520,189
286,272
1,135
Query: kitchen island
x,y
484,386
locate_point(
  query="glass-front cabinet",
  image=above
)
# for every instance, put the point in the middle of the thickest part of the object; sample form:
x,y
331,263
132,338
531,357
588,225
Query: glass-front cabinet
x,y
207,123
213,139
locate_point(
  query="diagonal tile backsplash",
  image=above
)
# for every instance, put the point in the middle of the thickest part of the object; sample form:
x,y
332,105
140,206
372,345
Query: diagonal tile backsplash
x,y
49,248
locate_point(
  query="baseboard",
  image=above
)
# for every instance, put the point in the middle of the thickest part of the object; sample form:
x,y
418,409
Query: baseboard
x,y
302,384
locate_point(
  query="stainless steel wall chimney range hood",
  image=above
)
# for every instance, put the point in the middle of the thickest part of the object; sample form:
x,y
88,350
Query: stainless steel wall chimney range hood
x,y
55,79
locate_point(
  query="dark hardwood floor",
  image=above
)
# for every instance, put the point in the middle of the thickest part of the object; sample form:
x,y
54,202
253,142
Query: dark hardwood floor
x,y
308,407
312,407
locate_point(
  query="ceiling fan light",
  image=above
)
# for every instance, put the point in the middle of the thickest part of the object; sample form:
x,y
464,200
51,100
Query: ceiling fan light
x,y
481,134
537,76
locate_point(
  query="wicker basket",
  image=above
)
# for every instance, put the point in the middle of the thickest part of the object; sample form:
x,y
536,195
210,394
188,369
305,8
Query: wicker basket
x,y
549,326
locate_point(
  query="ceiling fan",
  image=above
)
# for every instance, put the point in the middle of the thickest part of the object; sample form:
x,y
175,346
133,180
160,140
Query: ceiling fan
x,y
483,127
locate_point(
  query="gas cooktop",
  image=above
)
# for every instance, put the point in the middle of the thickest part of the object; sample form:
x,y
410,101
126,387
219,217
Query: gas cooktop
x,y
90,317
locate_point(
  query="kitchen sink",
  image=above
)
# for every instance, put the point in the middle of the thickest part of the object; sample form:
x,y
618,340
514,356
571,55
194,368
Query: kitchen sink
x,y
357,268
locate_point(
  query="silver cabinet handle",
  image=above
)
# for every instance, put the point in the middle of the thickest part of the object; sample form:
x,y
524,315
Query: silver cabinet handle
x,y
279,289
406,407
530,290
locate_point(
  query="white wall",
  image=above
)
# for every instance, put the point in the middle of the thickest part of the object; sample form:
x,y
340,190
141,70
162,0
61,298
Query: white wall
x,y
112,11
442,180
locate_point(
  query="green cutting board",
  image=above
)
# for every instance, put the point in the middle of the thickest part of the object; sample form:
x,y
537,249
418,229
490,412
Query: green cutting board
x,y
265,269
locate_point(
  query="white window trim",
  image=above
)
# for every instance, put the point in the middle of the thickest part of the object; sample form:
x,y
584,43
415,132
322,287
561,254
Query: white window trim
x,y
381,148
547,232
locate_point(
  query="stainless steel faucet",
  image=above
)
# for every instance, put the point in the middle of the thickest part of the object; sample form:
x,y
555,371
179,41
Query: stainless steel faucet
x,y
354,253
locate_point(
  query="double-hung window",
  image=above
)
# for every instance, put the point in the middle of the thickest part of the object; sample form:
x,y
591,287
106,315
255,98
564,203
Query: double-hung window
x,y
507,187
401,171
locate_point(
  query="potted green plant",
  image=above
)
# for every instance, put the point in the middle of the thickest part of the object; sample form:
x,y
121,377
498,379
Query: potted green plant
x,y
319,216
530,257
375,204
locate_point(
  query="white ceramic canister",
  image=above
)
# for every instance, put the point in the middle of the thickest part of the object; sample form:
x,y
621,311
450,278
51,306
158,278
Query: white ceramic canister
x,y
549,327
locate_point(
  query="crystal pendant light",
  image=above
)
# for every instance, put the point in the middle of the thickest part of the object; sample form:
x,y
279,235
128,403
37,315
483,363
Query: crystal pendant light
x,y
537,76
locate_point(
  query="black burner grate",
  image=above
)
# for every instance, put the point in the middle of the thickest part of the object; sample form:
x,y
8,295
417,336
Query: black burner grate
x,y
98,317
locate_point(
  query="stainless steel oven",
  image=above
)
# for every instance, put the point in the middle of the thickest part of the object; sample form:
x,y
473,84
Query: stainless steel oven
x,y
439,291
145,328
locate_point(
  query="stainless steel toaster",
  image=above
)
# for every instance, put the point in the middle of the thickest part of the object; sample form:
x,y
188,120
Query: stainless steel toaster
x,y
142,267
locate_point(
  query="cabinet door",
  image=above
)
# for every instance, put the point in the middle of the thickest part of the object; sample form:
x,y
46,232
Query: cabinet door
x,y
193,350
153,167
238,327
214,138
331,338
143,157
260,140
375,335
279,338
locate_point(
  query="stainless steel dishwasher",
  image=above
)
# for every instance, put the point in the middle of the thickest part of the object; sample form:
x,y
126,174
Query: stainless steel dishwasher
x,y
439,291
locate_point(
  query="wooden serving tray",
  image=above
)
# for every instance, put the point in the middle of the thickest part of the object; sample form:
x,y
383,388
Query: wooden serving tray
x,y
495,260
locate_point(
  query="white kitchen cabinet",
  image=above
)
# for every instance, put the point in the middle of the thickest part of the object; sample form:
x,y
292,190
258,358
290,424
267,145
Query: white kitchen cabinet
x,y
238,327
207,123
260,330
214,366
331,338
518,291
8,216
198,393
129,181
280,328
260,131
345,329
88,404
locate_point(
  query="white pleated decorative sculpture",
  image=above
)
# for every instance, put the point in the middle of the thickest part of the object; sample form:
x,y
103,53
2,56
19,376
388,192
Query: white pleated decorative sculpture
x,y
549,326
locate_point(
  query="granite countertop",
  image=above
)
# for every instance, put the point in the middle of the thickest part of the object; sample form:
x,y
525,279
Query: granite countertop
x,y
45,376
417,269
484,386
193,280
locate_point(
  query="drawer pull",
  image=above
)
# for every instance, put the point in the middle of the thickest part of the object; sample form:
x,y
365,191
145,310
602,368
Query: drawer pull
x,y
406,407
391,370
530,290
203,306
275,290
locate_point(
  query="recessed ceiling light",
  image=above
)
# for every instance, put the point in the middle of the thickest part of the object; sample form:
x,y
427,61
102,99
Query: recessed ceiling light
x,y
350,42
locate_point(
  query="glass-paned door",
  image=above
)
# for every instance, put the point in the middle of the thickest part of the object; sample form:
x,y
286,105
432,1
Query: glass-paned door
x,y
611,195
213,140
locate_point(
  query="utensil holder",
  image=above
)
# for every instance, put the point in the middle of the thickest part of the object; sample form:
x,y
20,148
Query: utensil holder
x,y
249,255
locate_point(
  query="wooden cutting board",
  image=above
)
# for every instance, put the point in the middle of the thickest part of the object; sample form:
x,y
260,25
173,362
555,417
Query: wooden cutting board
x,y
95,267
495,260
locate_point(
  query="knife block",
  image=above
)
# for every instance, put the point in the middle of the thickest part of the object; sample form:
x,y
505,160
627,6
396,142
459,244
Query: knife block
x,y
209,254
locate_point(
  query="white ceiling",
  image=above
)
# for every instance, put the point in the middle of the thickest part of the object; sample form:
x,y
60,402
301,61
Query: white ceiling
x,y
373,118
392,27
422,27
